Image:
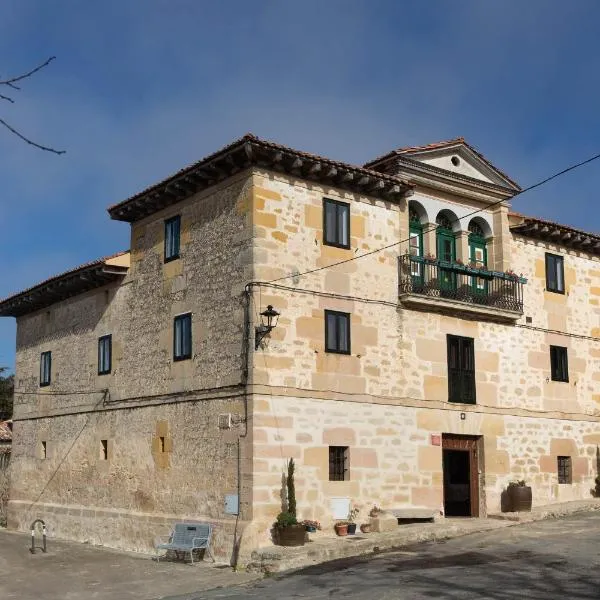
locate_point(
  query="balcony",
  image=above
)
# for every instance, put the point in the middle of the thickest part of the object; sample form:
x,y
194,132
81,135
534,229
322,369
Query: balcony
x,y
460,290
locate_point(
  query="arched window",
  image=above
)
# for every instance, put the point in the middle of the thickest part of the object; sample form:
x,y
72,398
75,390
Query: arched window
x,y
446,244
446,249
477,255
443,222
477,245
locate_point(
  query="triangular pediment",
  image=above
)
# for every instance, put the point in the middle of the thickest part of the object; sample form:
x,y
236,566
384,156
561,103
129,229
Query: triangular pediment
x,y
458,157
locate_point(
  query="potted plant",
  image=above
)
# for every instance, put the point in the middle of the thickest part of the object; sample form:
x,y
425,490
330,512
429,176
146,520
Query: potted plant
x,y
341,528
289,531
519,496
365,527
311,526
375,511
351,520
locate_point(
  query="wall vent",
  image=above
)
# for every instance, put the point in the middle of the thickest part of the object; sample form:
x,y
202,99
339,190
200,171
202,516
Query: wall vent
x,y
225,421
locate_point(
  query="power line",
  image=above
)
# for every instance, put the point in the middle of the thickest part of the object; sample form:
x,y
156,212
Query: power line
x,y
388,303
457,220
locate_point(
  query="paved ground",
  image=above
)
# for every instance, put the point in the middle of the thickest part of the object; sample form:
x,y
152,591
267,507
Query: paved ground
x,y
72,571
547,560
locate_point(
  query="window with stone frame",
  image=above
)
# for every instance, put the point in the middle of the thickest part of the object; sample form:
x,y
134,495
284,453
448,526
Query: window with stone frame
x,y
555,273
45,368
182,337
339,463
461,369
336,223
172,238
337,332
559,364
565,472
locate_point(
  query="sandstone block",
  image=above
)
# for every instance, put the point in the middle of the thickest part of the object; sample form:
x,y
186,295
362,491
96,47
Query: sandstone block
x,y
384,522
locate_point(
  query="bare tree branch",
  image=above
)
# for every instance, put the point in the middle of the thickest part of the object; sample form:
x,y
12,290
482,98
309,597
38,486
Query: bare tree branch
x,y
32,143
12,80
10,83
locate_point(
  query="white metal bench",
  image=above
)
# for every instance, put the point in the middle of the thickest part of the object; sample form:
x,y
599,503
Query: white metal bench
x,y
187,537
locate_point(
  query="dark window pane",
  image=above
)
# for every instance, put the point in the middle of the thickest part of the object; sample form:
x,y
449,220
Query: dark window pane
x,y
559,364
461,369
336,223
338,463
45,368
172,235
337,332
104,354
555,281
182,337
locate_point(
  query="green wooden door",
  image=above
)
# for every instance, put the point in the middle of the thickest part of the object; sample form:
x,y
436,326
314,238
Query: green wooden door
x,y
478,258
446,252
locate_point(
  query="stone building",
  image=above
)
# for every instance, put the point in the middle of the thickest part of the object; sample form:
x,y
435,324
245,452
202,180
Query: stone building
x,y
431,347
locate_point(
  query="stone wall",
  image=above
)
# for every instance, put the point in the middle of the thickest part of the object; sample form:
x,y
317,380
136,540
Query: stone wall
x,y
389,396
168,458
393,462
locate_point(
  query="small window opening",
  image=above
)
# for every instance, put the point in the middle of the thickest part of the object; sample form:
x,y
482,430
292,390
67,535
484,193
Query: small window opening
x,y
161,444
44,450
339,463
104,449
455,161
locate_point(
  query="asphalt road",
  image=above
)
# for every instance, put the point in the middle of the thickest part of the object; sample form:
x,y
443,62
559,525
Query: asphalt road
x,y
545,560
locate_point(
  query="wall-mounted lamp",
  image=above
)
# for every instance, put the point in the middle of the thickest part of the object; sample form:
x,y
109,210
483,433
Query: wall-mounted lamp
x,y
268,322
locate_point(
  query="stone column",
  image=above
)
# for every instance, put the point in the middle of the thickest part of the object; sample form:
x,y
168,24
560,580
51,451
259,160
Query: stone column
x,y
429,244
501,243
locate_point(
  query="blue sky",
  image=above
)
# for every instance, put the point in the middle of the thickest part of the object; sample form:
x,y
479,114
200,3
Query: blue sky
x,y
143,87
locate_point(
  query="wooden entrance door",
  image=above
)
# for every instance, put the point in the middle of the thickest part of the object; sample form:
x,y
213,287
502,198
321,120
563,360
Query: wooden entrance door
x,y
461,475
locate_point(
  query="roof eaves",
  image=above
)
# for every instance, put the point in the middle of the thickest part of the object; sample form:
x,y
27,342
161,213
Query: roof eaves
x,y
251,151
93,273
563,235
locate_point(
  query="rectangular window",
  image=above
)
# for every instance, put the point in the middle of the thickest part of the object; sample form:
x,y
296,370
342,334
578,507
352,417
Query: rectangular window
x,y
564,469
559,363
45,368
336,223
182,337
339,463
104,449
172,235
43,451
555,274
461,369
337,332
104,354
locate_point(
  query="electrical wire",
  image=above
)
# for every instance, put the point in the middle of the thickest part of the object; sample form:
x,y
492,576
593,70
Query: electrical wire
x,y
435,226
391,304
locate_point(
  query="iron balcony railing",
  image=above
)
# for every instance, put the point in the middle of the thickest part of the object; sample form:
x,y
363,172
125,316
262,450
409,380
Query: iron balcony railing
x,y
454,281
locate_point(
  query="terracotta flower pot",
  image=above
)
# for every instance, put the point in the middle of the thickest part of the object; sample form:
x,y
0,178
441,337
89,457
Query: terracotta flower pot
x,y
341,529
366,527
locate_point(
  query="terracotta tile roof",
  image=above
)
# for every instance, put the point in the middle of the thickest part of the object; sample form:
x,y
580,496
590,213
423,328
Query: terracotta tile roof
x,y
551,231
244,152
408,150
7,305
5,431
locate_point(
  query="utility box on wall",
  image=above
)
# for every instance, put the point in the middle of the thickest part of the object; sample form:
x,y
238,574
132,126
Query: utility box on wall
x,y
232,504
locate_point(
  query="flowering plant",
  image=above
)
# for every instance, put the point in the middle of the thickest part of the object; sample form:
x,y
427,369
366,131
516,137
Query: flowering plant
x,y
309,523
